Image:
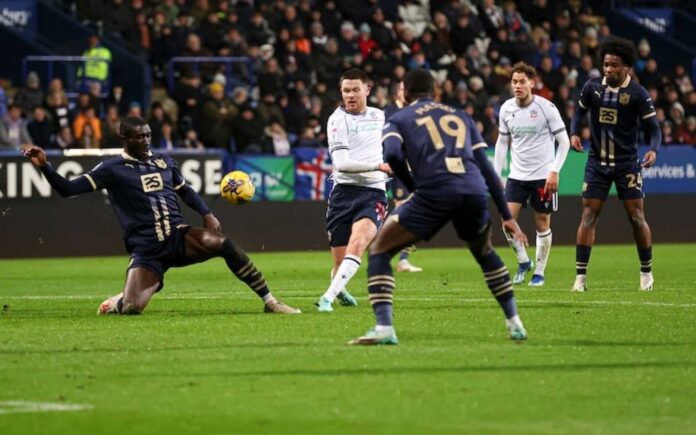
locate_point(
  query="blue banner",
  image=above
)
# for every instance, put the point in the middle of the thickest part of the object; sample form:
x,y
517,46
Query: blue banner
x,y
659,20
674,171
312,171
19,15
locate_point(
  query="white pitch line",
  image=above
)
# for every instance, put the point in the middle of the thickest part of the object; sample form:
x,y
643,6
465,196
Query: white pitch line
x,y
247,295
23,406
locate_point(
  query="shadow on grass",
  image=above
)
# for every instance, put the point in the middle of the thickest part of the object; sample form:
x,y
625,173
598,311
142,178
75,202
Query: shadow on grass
x,y
596,343
145,348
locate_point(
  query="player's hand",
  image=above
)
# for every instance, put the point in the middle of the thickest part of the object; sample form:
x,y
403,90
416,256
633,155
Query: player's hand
x,y
576,143
384,167
551,185
36,154
510,226
649,159
212,223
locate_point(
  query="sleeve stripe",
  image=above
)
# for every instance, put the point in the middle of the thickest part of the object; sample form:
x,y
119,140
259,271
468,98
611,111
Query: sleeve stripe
x,y
649,115
341,147
393,134
479,145
581,105
91,181
504,133
183,183
558,131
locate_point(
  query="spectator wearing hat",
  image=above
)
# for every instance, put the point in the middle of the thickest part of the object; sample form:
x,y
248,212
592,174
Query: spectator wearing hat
x,y
98,65
668,137
365,42
327,63
643,54
30,95
348,42
217,117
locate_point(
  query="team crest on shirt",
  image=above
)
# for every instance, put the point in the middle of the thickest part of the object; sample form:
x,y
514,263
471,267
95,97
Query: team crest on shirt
x,y
160,163
624,98
533,114
373,115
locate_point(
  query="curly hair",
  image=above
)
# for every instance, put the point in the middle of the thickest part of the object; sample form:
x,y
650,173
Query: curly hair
x,y
620,47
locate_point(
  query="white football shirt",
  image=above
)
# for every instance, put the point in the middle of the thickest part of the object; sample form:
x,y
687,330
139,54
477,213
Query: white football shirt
x,y
361,135
532,130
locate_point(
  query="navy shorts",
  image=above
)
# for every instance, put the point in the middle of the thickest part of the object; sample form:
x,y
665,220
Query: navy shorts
x,y
398,190
424,215
348,204
169,253
627,177
531,192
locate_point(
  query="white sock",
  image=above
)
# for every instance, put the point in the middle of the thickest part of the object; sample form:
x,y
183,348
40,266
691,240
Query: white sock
x,y
514,321
384,329
543,248
517,247
345,272
269,299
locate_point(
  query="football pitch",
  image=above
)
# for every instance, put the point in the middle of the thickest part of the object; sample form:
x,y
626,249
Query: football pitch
x,y
204,358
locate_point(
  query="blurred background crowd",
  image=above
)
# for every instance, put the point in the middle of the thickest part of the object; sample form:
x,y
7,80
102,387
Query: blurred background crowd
x,y
296,50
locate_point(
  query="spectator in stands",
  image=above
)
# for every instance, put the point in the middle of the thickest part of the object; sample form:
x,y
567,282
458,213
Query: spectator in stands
x,y
167,139
110,128
88,116
279,142
270,80
89,139
668,137
58,110
157,117
682,80
257,32
348,43
217,117
690,106
268,110
30,95
378,66
13,129
643,56
651,76
40,128
247,131
191,140
308,138
188,95
64,139
135,109
686,133
117,18
194,48
327,63
116,98
382,31
98,66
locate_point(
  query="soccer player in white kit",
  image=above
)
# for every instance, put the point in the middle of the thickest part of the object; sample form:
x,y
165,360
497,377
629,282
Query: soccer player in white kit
x,y
358,202
529,126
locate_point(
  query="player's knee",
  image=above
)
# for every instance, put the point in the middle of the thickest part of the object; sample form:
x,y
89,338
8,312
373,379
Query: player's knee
x,y
589,218
637,220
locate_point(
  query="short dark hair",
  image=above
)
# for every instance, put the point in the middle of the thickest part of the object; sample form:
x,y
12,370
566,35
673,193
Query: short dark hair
x,y
130,123
354,74
418,83
523,68
620,47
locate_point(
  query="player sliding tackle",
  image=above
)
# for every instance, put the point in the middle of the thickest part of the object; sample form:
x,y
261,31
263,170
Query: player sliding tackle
x,y
446,155
142,187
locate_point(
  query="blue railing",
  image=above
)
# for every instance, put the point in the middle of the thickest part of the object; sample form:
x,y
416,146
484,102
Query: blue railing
x,y
232,80
71,76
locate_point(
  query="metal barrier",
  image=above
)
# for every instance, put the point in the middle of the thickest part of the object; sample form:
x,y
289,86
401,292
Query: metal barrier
x,y
70,78
231,79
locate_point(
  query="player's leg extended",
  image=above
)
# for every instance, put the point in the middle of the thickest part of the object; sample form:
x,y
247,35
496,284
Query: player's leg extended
x,y
362,233
498,281
141,284
643,238
380,281
524,264
203,244
543,246
584,240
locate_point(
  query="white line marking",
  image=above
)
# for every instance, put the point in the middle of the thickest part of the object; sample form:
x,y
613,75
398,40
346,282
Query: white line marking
x,y
300,295
23,406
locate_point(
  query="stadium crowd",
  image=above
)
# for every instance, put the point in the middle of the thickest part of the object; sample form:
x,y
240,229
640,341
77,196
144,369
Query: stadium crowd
x,y
298,50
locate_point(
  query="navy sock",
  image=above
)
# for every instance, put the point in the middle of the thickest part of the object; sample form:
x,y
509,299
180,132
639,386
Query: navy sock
x,y
403,255
380,285
582,258
243,268
498,281
645,256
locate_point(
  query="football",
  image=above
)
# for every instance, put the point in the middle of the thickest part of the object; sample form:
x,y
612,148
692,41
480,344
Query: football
x,y
237,188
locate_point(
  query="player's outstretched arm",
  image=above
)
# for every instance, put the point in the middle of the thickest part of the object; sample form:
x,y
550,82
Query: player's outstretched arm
x,y
194,201
63,186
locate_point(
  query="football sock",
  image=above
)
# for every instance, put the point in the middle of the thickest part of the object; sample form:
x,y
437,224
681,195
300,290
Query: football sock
x,y
403,255
543,248
498,281
518,247
645,256
582,258
244,269
380,285
349,266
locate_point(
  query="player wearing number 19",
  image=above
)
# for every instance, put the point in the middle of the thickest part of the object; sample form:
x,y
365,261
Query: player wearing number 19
x,y
447,157
143,189
618,106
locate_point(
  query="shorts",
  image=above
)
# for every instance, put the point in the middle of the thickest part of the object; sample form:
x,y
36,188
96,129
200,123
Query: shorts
x,y
531,192
424,216
627,177
169,253
349,204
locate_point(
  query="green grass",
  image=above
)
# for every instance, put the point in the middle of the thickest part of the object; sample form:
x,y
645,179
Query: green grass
x,y
205,359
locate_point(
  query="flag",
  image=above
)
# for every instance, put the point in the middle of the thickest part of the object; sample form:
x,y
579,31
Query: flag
x,y
312,172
